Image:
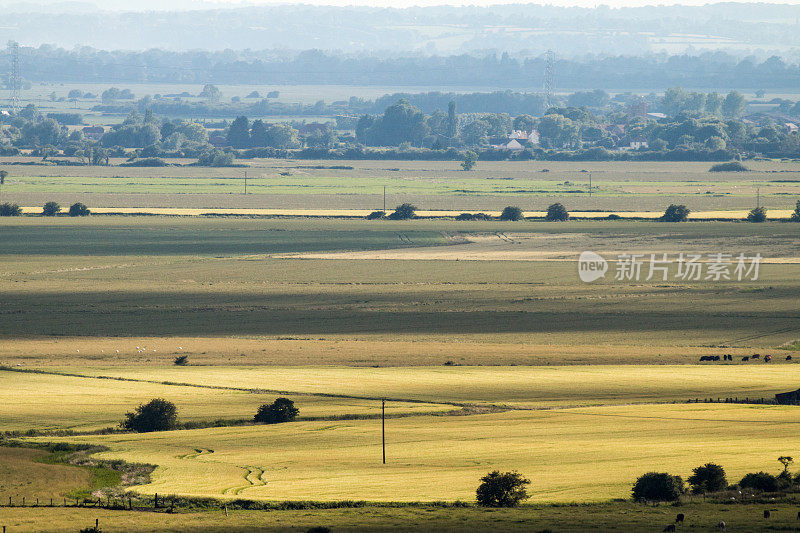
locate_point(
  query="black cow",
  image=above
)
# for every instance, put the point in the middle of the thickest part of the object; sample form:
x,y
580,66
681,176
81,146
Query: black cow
x,y
766,513
745,358
669,527
680,517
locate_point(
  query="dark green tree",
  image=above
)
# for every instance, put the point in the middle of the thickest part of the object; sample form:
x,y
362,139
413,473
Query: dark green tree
x,y
759,481
239,133
657,487
502,489
51,209
78,210
404,212
281,410
512,213
156,415
707,478
557,213
10,210
758,214
796,214
676,213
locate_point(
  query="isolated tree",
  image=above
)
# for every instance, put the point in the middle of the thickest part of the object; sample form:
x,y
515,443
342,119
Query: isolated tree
x,y
758,214
10,210
376,215
281,410
470,158
557,213
502,489
707,478
210,92
156,415
51,209
512,213
657,487
676,213
785,460
759,481
796,214
403,212
3,176
78,210
181,360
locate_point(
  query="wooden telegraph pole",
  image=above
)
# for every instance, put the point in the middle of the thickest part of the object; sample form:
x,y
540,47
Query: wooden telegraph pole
x,y
245,183
384,198
383,428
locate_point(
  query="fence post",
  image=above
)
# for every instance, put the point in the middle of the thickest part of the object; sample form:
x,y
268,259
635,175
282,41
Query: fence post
x,y
23,501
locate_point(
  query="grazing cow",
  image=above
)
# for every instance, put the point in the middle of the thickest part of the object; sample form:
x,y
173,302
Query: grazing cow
x,y
680,517
745,358
755,356
716,358
788,357
766,513
722,525
767,358
669,527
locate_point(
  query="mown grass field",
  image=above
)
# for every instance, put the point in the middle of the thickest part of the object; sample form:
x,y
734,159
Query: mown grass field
x,y
25,472
292,184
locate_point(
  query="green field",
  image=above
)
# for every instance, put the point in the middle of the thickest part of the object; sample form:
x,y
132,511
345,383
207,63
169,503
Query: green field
x,y
291,184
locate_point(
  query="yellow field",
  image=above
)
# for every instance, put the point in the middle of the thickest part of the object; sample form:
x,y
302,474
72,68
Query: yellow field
x,y
47,402
532,387
586,454
21,474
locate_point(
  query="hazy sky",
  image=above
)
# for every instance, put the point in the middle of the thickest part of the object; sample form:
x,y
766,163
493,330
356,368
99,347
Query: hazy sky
x,y
408,3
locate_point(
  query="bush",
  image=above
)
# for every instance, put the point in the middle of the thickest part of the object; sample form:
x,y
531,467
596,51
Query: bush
x,y
557,213
796,214
676,213
758,214
78,210
731,166
504,489
403,212
707,478
146,162
511,213
658,487
376,215
51,209
759,481
281,410
473,216
181,360
156,415
10,210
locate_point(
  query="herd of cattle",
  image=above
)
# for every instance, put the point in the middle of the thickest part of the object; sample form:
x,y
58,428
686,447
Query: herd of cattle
x,y
721,525
728,357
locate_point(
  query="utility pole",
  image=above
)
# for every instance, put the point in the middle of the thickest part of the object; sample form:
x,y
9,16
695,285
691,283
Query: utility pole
x,y
383,428
384,198
758,197
245,183
590,184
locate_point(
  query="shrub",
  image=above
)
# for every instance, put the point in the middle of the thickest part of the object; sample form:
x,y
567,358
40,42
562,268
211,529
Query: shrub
x,y
557,213
156,415
10,210
613,216
796,214
403,212
51,209
759,481
675,213
758,214
319,529
658,487
78,210
731,166
470,158
473,216
281,410
376,215
707,478
504,489
511,213
146,162
181,360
